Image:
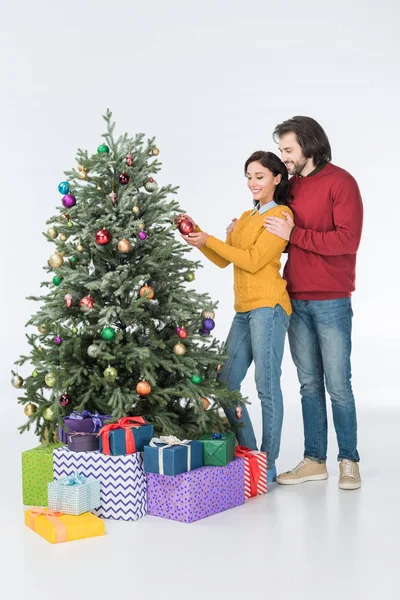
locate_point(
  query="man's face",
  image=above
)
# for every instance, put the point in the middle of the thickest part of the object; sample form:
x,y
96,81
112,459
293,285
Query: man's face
x,y
292,154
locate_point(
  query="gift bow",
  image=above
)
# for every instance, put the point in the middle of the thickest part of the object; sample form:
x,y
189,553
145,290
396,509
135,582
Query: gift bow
x,y
169,441
76,479
127,423
86,414
53,517
255,473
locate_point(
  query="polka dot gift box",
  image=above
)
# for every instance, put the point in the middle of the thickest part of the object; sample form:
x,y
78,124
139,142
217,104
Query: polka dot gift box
x,y
37,472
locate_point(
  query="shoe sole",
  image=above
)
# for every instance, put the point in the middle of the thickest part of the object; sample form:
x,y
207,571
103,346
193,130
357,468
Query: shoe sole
x,y
320,477
349,486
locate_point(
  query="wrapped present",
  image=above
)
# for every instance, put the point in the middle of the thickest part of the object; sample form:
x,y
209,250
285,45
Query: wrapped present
x,y
37,472
218,448
126,436
84,421
83,442
74,494
255,471
55,527
198,494
170,456
123,490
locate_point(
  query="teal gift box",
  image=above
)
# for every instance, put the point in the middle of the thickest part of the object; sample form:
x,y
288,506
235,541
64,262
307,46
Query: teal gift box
x,y
74,495
126,436
168,455
218,449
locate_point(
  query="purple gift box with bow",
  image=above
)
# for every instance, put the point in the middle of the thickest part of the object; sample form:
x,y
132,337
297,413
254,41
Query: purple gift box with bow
x,y
85,422
83,442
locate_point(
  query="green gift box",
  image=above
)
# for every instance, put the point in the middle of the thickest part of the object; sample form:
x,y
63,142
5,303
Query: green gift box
x,y
218,449
37,472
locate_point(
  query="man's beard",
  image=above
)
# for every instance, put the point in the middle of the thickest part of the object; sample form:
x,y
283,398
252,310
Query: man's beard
x,y
298,166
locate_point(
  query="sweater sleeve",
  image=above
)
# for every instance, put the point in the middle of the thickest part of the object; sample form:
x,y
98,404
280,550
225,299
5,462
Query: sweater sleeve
x,y
347,218
213,256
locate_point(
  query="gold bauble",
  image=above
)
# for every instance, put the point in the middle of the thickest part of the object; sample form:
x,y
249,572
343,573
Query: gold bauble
x,y
179,349
141,226
143,388
99,188
80,248
52,232
155,152
206,403
64,217
148,290
136,210
208,314
30,409
17,381
63,237
43,329
56,260
83,174
124,246
80,168
48,413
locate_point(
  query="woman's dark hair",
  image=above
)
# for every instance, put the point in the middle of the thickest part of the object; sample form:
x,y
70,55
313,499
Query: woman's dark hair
x,y
273,163
310,136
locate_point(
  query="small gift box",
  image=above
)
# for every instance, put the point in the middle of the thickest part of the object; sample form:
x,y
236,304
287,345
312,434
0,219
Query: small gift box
x,y
85,421
255,471
126,436
74,495
218,448
55,527
83,442
168,455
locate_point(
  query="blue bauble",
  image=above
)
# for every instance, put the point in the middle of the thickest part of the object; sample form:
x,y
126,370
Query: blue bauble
x,y
208,324
63,187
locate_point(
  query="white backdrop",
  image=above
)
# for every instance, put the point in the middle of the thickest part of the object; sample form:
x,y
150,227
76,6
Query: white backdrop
x,y
210,80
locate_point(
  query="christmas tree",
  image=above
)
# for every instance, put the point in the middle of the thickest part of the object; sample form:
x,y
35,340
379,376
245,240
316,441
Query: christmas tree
x,y
118,331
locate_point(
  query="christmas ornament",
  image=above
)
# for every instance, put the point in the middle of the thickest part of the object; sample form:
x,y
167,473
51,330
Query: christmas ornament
x,y
35,374
70,224
141,226
48,414
93,351
142,235
72,261
238,412
17,381
208,314
99,188
136,210
65,400
179,349
80,248
124,246
86,304
218,368
63,187
57,279
196,379
148,290
204,332
217,436
110,374
50,379
64,218
208,324
185,226
91,267
129,159
81,168
114,198
189,276
143,388
43,329
155,151
58,340
151,185
124,178
206,403
56,260
68,300
177,329
30,409
103,237
108,334
103,149
183,333
83,174
69,201
63,237
52,232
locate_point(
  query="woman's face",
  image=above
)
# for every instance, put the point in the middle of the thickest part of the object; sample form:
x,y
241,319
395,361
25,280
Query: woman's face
x,y
261,182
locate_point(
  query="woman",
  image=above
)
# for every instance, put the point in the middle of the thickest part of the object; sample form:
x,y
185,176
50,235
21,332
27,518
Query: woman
x,y
261,301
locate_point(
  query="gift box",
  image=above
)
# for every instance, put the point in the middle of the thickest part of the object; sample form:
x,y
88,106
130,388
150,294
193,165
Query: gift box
x,y
255,471
198,494
123,490
74,495
84,421
37,472
55,527
170,456
218,448
126,436
83,442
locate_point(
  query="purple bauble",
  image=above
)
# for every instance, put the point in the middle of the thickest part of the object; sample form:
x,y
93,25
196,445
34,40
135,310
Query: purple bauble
x,y
208,324
142,235
69,201
204,332
58,340
178,329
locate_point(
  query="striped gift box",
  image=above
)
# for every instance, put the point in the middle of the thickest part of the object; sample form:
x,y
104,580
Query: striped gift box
x,y
74,499
255,471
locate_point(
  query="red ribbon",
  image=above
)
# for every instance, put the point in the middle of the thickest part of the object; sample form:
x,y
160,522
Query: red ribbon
x,y
127,423
255,473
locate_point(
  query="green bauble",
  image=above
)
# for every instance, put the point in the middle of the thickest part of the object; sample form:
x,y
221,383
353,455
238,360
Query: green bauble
x,y
103,149
110,374
35,374
50,379
72,261
74,330
190,276
48,413
57,279
108,334
196,379
70,224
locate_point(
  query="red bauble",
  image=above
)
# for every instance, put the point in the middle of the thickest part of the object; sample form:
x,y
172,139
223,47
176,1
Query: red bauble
x,y
103,237
86,304
183,333
185,226
239,412
124,179
65,399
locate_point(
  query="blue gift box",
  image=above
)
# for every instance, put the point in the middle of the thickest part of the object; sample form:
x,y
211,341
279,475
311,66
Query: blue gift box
x,y
170,456
117,439
74,495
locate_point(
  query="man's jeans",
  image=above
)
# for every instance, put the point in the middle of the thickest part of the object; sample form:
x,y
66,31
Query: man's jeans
x,y
258,335
320,343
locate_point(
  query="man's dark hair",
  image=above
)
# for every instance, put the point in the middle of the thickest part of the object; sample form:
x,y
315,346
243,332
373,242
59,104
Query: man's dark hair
x,y
310,136
273,163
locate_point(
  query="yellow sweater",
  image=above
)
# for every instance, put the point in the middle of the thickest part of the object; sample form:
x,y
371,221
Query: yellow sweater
x,y
255,254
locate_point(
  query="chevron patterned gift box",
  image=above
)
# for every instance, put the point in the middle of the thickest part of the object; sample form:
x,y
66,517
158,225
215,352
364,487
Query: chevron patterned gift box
x,y
123,491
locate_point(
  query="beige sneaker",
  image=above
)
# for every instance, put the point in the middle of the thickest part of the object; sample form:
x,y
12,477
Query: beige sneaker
x,y
306,470
349,478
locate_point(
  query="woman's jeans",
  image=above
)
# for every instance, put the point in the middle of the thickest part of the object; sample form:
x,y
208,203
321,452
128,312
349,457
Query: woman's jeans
x,y
258,335
320,343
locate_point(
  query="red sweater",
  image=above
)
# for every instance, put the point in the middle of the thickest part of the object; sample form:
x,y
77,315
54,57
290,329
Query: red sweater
x,y
328,214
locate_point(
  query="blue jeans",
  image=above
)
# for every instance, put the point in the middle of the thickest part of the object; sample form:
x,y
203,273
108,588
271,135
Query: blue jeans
x,y
258,335
320,343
